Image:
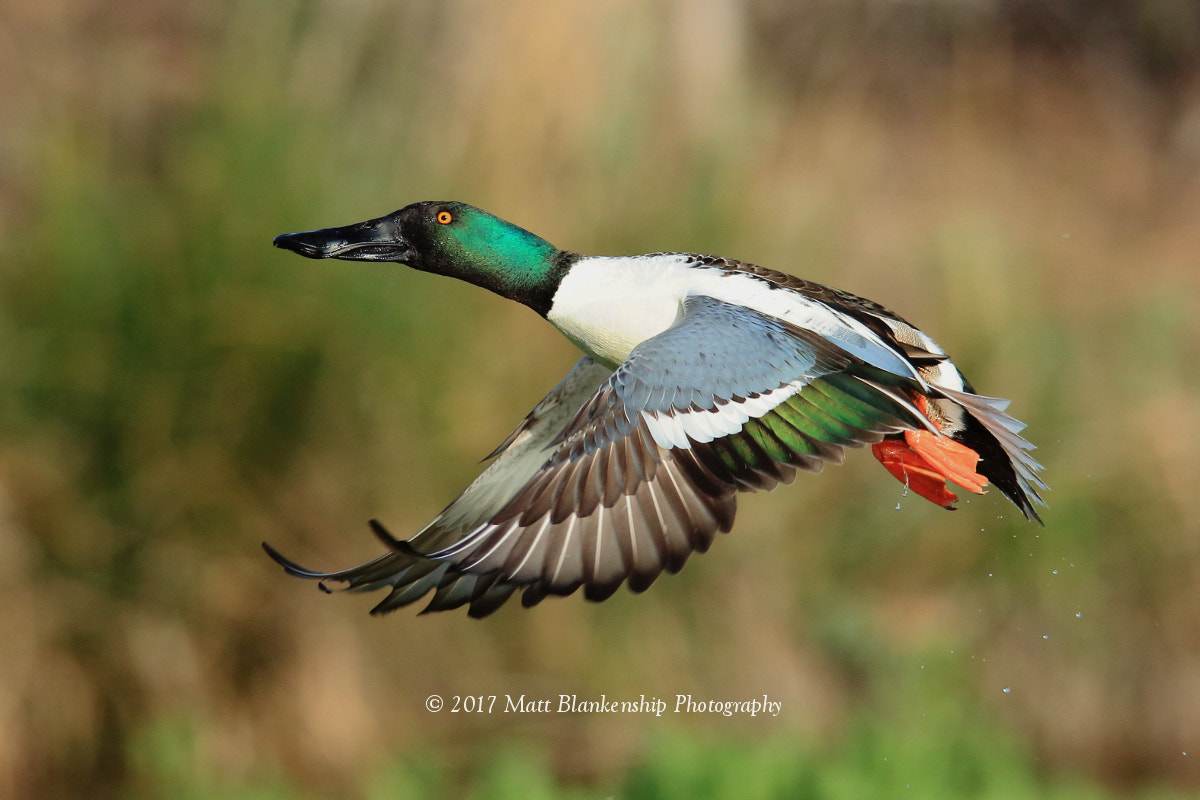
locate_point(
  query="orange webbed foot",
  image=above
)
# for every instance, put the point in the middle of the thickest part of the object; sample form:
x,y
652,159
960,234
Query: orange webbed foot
x,y
924,461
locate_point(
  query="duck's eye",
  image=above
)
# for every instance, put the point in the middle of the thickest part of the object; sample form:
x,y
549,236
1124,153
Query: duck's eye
x,y
445,217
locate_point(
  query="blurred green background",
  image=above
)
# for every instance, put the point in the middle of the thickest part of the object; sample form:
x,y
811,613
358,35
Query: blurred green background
x,y
1019,177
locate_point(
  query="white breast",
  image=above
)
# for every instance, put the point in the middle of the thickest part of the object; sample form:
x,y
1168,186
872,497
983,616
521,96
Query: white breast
x,y
607,306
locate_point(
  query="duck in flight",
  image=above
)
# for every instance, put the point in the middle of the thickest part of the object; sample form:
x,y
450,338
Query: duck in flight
x,y
702,377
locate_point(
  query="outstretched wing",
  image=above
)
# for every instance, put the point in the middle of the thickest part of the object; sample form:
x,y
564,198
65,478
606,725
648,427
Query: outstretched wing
x,y
620,476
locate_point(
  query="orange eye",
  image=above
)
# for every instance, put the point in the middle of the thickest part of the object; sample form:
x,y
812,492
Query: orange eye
x,y
445,217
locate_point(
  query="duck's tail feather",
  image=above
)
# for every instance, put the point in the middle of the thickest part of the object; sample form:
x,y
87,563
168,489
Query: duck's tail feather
x,y
1004,455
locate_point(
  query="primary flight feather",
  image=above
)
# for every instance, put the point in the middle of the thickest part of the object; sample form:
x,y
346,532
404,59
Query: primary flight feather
x,y
703,377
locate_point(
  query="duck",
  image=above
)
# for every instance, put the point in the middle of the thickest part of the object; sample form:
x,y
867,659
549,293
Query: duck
x,y
701,377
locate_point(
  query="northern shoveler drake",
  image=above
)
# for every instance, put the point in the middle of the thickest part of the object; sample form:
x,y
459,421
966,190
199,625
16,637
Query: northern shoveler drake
x,y
703,377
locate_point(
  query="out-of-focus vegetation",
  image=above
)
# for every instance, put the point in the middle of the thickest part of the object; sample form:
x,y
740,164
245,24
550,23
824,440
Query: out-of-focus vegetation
x,y
1022,179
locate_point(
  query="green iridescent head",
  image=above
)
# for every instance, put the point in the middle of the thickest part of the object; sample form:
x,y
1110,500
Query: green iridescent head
x,y
448,238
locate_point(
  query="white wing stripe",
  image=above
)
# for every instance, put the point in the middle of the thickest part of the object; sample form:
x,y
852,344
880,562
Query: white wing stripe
x,y
599,539
666,430
662,520
512,528
566,545
671,430
515,571
633,544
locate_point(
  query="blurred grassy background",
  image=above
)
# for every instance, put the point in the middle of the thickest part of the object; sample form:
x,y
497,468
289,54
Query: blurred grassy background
x,y
1020,177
